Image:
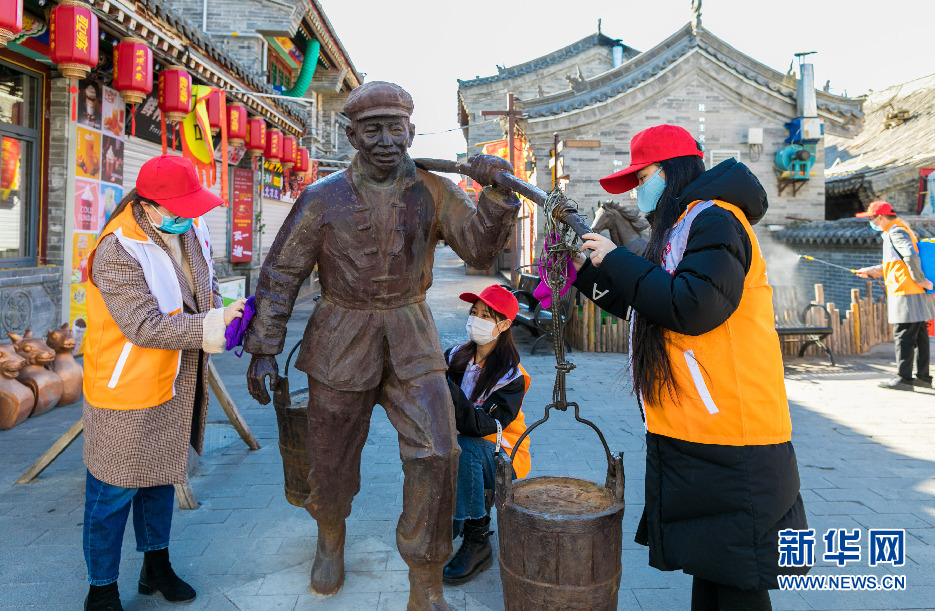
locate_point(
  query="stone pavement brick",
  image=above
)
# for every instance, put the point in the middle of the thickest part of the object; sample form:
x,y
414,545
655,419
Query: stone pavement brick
x,y
865,459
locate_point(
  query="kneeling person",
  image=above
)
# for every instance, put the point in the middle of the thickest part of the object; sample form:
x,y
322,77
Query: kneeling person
x,y
487,386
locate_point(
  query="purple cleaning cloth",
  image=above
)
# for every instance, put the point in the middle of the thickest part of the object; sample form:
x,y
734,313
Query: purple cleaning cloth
x,y
235,331
543,293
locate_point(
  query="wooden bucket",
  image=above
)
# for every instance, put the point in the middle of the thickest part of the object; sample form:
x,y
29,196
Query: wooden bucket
x,y
292,418
560,537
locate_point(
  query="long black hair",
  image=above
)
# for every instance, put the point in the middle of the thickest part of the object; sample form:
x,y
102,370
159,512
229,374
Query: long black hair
x,y
503,359
650,365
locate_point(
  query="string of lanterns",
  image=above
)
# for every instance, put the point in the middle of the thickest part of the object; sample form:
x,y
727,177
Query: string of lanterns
x,y
74,48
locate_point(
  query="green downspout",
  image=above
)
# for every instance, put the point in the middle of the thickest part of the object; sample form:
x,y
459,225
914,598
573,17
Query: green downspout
x,y
307,72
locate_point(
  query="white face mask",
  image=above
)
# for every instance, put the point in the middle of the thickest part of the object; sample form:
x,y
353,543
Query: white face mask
x,y
480,330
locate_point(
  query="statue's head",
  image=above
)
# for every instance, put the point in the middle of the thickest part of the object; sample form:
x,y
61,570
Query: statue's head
x,y
380,129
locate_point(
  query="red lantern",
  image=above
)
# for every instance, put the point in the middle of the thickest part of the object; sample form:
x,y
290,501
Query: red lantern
x,y
290,152
175,93
302,165
11,20
256,137
273,145
73,38
133,70
213,105
236,124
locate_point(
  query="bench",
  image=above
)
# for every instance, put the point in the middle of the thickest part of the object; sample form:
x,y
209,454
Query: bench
x,y
809,334
532,315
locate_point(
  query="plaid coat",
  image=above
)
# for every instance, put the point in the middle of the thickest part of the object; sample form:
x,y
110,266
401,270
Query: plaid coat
x,y
149,447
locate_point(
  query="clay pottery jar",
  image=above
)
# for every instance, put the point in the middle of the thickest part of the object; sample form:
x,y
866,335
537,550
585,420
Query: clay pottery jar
x,y
45,384
62,342
16,400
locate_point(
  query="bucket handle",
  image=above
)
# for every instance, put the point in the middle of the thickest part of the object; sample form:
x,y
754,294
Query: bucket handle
x,y
615,481
281,395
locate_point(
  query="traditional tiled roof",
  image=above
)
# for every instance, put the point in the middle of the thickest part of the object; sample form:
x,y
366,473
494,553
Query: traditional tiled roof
x,y
848,231
554,57
886,142
648,64
163,10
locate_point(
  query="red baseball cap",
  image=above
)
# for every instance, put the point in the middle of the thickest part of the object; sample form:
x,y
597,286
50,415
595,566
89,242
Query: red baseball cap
x,y
171,182
876,209
498,298
651,146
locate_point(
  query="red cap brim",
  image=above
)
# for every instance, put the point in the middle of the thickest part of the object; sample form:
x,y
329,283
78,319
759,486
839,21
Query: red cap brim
x,y
470,298
193,205
863,215
623,180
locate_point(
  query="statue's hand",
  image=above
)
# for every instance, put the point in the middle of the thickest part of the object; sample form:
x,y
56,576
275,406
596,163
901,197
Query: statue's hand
x,y
261,367
484,168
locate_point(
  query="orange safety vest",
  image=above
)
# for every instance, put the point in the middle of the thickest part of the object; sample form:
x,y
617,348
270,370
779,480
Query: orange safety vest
x,y
522,462
729,381
895,271
117,373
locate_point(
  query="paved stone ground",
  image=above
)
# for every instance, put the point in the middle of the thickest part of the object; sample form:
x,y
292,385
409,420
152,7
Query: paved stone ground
x,y
866,460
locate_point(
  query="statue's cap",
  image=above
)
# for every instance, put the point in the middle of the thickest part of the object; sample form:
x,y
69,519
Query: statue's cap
x,y
378,99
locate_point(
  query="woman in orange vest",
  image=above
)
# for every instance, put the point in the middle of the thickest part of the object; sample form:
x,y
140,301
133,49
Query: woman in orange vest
x,y
487,386
908,307
154,312
722,481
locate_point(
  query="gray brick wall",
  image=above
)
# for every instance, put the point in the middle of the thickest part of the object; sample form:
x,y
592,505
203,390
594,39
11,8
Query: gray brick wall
x,y
58,170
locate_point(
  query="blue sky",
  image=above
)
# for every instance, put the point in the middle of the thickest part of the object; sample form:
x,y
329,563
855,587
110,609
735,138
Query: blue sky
x,y
861,44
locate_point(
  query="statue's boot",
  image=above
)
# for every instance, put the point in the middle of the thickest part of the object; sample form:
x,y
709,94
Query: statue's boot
x,y
328,568
425,588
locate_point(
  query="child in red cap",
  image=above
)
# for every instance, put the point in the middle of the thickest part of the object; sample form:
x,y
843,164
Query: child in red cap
x,y
487,386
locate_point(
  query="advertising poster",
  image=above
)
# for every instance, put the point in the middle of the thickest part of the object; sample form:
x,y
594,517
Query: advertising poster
x,y
114,113
277,186
81,247
88,153
110,197
89,104
98,184
272,180
87,196
241,216
112,160
78,318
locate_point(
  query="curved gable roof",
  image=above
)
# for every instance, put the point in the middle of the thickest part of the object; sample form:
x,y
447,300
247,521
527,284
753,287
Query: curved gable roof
x,y
554,57
647,65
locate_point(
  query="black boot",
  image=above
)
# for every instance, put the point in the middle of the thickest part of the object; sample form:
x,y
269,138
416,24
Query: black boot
x,y
157,575
103,598
474,555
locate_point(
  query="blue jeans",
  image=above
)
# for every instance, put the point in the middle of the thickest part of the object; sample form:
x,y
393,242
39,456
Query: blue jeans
x,y
477,471
106,509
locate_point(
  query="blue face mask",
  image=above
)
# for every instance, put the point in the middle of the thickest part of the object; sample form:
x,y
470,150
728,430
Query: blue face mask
x,y
175,224
647,195
874,227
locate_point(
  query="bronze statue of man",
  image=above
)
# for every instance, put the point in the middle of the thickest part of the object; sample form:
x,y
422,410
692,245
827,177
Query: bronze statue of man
x,y
371,230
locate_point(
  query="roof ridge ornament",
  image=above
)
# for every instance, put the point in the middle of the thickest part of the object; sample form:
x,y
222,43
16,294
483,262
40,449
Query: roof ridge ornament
x,y
696,17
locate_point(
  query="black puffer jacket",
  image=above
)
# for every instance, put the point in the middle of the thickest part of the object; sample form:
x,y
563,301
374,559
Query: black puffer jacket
x,y
713,511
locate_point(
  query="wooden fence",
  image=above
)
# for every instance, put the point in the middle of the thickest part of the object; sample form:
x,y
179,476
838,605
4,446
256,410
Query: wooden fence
x,y
862,325
591,329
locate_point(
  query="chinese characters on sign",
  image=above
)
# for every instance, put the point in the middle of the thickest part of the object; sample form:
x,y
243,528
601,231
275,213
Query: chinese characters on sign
x,y
797,547
242,216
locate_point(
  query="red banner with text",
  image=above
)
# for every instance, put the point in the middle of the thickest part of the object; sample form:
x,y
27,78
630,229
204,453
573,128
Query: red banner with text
x,y
242,216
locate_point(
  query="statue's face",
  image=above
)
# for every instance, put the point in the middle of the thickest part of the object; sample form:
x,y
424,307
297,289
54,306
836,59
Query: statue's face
x,y
381,141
